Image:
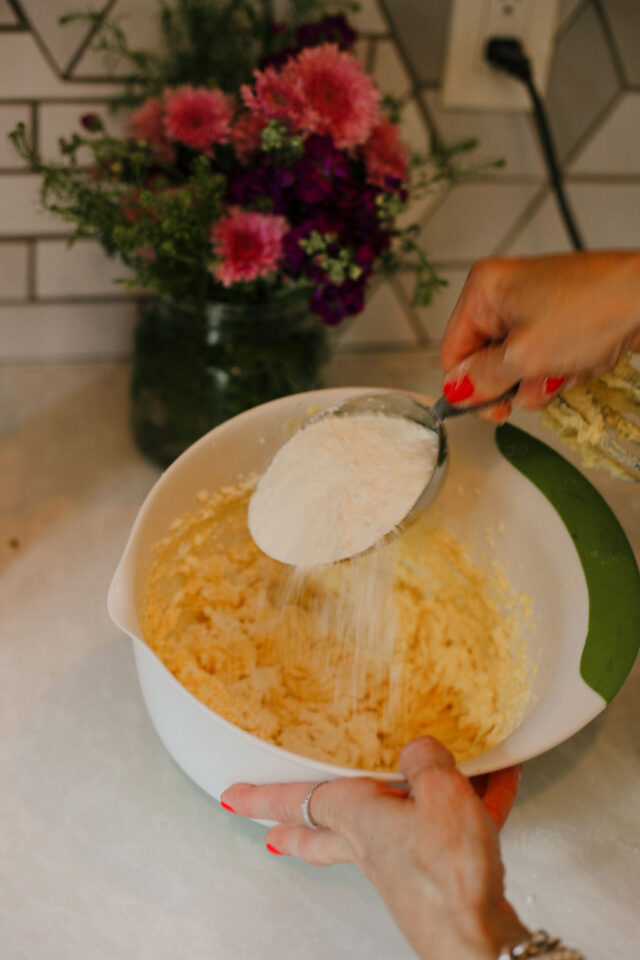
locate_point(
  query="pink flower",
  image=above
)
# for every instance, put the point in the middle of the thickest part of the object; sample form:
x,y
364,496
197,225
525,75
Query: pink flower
x,y
323,90
198,117
147,123
341,101
385,155
245,134
277,96
248,245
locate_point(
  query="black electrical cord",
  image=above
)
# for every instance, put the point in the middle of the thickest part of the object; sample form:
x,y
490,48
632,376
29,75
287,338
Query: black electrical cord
x,y
507,54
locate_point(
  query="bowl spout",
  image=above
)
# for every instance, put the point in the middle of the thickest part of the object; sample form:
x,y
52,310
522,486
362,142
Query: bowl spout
x,y
121,601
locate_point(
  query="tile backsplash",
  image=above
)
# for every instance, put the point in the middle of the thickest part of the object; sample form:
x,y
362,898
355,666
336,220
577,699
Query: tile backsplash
x,y
58,303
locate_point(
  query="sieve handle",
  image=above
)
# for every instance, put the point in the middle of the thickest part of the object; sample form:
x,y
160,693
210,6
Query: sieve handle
x,y
443,409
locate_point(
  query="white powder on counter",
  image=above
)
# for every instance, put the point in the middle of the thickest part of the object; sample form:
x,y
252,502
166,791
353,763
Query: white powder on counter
x,y
339,485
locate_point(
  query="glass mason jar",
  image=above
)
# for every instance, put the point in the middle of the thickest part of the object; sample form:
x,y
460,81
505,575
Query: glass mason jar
x,y
195,367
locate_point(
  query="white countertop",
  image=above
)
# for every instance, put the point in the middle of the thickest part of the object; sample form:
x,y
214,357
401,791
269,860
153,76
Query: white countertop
x,y
108,851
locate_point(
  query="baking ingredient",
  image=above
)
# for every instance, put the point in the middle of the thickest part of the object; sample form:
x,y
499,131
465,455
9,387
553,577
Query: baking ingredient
x,y
339,485
261,651
598,420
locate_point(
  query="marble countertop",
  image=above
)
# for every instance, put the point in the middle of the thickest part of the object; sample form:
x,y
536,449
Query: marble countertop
x,y
107,850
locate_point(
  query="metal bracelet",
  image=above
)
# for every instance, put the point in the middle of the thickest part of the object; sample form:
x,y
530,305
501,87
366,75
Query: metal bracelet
x,y
539,944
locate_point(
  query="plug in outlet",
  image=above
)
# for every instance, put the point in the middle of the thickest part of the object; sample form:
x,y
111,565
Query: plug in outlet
x,y
469,81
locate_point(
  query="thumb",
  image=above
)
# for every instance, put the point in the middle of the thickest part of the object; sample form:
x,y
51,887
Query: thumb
x,y
486,374
420,758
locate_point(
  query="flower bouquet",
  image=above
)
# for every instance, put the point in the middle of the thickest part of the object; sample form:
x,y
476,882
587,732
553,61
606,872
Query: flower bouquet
x,y
253,194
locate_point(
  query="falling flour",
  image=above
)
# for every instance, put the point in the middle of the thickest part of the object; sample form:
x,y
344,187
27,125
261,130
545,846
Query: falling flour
x,y
340,485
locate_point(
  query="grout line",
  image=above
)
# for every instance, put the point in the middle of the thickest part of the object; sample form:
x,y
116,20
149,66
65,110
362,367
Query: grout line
x,y
73,300
30,362
46,53
571,19
100,79
604,179
23,238
453,264
66,359
17,9
433,208
12,28
35,127
610,42
522,221
54,101
591,131
372,53
365,349
436,141
407,309
422,337
31,271
88,40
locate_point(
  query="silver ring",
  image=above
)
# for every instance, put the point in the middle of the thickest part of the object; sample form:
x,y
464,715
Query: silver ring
x,y
306,815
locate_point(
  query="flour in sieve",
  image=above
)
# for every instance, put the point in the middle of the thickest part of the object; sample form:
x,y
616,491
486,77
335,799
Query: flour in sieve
x,y
339,485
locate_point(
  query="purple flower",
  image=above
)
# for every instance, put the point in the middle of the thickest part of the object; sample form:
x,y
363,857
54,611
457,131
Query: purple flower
x,y
328,30
91,122
320,170
333,303
251,187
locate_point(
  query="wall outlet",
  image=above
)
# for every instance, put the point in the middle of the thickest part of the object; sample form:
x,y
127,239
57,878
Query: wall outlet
x,y
469,81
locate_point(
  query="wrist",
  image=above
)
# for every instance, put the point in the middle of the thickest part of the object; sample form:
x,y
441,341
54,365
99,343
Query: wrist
x,y
624,293
481,935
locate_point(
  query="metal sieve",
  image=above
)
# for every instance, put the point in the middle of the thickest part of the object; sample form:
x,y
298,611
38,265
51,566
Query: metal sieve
x,y
401,405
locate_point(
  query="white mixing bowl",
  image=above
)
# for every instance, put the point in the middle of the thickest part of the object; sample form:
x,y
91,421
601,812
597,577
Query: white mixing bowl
x,y
484,498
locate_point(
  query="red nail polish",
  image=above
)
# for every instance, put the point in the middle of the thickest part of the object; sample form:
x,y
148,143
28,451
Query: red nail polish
x,y
273,850
457,390
226,806
552,384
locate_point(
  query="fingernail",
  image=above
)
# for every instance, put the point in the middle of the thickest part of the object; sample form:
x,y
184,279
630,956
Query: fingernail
x,y
457,390
226,806
552,384
272,849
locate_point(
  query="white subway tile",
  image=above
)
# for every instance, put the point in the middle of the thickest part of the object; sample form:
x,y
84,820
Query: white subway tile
x,y
62,40
608,214
543,233
21,212
434,318
57,120
415,131
389,70
13,271
10,116
507,136
567,10
473,218
360,50
368,19
66,331
7,15
383,321
81,270
25,74
614,148
141,24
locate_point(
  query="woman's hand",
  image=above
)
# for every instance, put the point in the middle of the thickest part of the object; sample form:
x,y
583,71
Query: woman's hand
x,y
546,322
432,853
